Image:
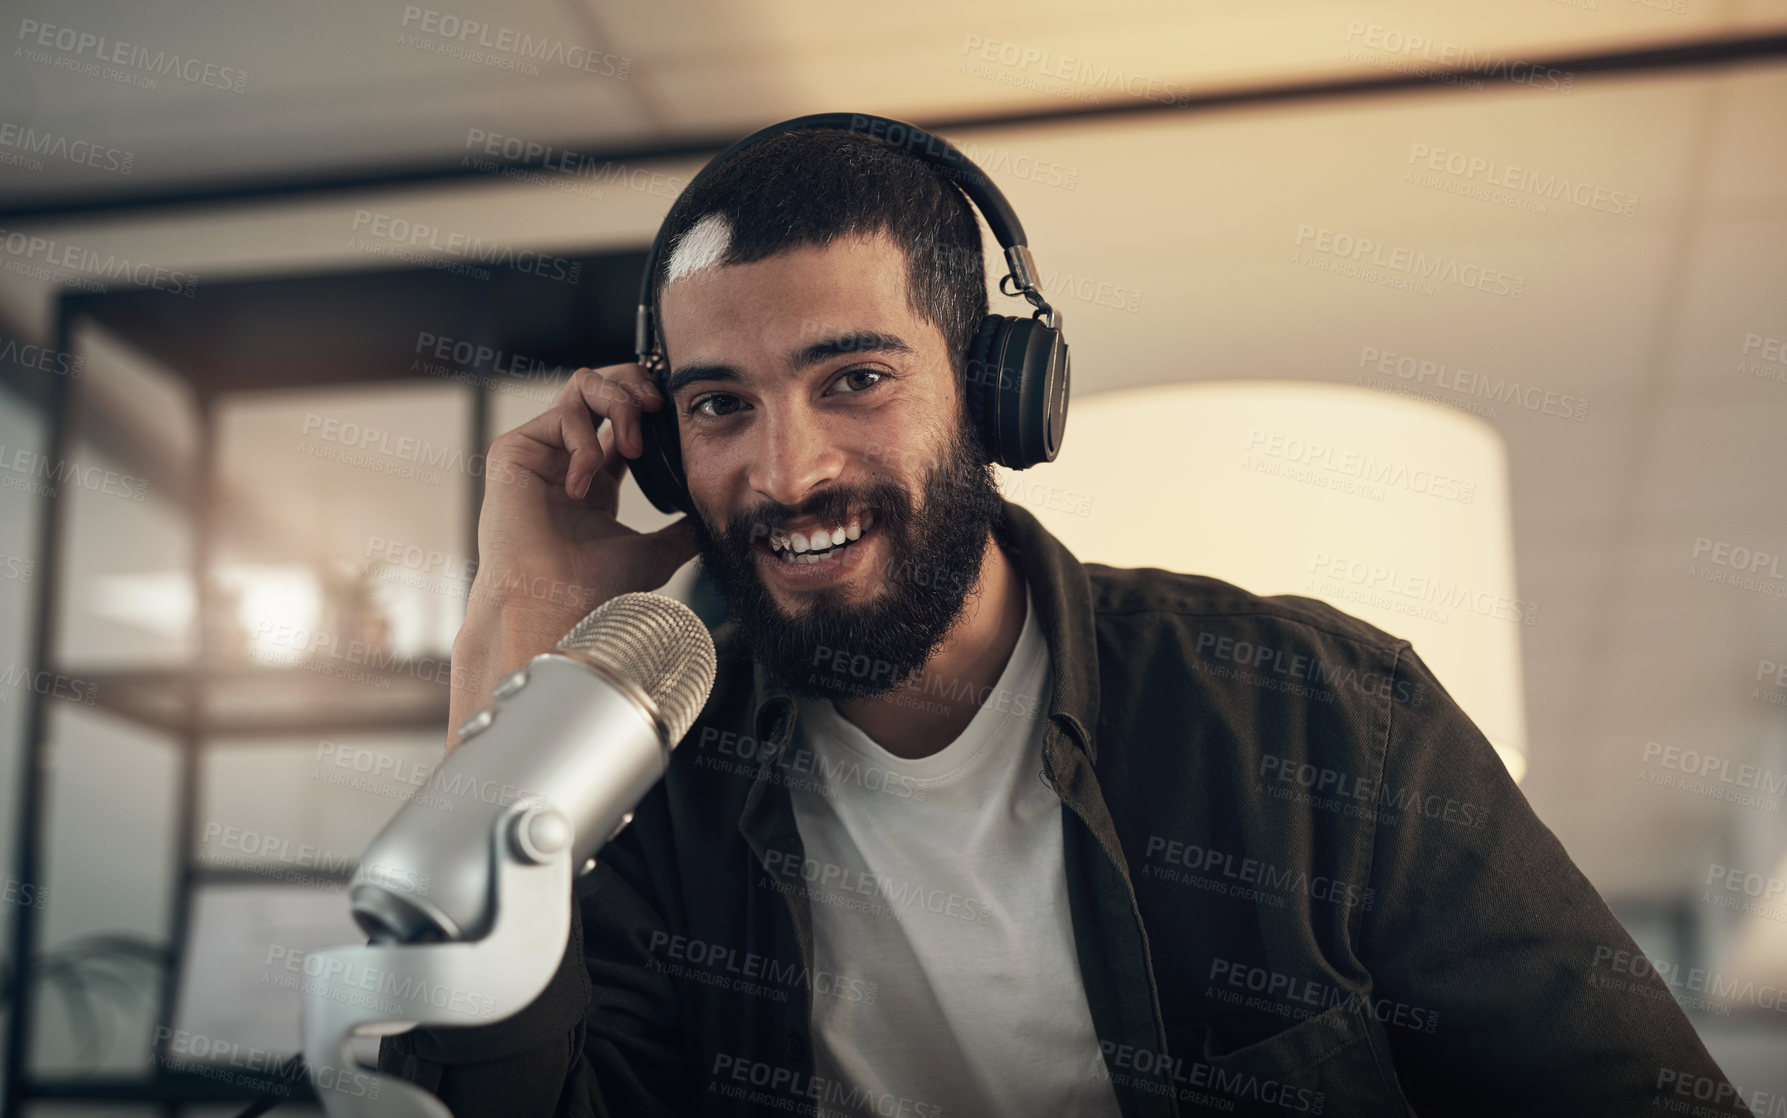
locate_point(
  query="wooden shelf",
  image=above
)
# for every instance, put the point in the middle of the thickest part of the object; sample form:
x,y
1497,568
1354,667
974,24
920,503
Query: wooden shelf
x,y
255,700
218,1083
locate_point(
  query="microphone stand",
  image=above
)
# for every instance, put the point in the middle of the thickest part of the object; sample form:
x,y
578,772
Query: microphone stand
x,y
387,988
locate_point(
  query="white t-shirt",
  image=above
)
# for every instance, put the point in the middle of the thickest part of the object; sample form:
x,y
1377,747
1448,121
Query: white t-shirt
x,y
945,976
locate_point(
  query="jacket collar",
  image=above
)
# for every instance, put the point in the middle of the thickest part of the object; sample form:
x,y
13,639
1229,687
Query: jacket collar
x,y
1063,597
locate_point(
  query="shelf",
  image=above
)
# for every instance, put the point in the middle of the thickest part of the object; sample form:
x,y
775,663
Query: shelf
x,y
217,1083
263,699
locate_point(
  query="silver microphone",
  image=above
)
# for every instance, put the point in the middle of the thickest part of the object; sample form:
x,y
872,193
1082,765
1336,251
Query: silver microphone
x,y
584,731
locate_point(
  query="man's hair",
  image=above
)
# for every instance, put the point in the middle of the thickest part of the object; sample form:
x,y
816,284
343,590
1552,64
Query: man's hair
x,y
812,186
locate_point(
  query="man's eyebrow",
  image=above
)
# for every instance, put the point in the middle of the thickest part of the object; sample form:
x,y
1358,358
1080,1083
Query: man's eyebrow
x,y
689,374
856,341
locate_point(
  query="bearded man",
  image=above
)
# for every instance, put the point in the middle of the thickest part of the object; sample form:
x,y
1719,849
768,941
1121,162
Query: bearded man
x,y
968,827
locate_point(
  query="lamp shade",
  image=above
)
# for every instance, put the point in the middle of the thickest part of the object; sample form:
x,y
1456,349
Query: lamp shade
x,y
1391,509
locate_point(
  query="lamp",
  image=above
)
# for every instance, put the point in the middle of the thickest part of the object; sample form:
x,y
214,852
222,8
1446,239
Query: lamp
x,y
1391,509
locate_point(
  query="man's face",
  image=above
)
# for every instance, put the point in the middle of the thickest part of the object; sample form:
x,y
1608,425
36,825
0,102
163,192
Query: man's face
x,y
844,501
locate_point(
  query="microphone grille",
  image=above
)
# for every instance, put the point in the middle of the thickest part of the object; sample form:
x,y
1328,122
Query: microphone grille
x,y
656,642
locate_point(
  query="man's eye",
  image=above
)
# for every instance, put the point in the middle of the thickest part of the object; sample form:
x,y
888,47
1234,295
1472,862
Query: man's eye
x,y
860,387
724,403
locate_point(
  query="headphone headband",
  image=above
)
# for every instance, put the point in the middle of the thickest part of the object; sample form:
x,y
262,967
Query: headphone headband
x,y
1016,373
897,134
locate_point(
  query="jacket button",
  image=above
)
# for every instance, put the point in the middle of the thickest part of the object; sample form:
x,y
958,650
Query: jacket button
x,y
796,1046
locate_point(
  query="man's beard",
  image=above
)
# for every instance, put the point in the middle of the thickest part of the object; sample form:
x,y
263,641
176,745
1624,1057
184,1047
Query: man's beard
x,y
838,649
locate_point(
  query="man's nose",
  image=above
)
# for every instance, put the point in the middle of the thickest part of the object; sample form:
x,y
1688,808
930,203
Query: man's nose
x,y
797,455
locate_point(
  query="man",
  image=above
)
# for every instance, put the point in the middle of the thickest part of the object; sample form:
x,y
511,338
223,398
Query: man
x,y
967,827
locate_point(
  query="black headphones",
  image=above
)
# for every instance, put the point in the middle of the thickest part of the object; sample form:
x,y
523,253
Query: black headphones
x,y
1017,375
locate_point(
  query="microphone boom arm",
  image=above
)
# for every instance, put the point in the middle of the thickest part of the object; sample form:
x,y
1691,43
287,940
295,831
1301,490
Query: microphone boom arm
x,y
458,983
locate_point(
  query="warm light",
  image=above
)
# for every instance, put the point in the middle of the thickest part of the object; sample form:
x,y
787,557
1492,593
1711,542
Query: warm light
x,y
277,606
1392,510
160,602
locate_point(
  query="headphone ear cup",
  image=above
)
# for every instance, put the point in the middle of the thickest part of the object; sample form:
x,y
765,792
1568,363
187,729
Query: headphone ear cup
x,y
659,470
1046,380
982,378
1025,404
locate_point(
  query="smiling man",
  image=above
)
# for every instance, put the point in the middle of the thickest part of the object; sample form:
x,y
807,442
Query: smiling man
x,y
835,545
834,552
968,827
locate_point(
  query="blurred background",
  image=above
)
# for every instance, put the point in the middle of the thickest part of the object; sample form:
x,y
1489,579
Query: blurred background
x,y
272,276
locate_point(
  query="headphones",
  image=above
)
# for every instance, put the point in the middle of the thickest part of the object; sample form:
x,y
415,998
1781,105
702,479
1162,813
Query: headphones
x,y
1017,375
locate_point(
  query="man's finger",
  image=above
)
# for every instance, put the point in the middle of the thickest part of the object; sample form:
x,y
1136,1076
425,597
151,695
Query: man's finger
x,y
577,434
605,484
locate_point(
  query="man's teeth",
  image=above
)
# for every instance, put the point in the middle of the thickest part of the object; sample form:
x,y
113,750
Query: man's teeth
x,y
803,547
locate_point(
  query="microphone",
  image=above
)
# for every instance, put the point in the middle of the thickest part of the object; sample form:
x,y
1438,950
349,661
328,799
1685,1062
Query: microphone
x,y
584,731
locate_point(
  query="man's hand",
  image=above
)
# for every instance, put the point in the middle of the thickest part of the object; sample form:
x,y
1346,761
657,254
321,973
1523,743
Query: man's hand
x,y
550,548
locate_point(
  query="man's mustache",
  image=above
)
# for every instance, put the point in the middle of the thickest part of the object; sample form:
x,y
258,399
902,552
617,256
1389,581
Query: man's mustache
x,y
832,506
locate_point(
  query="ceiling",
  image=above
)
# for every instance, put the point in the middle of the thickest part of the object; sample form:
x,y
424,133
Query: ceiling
x,y
342,87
